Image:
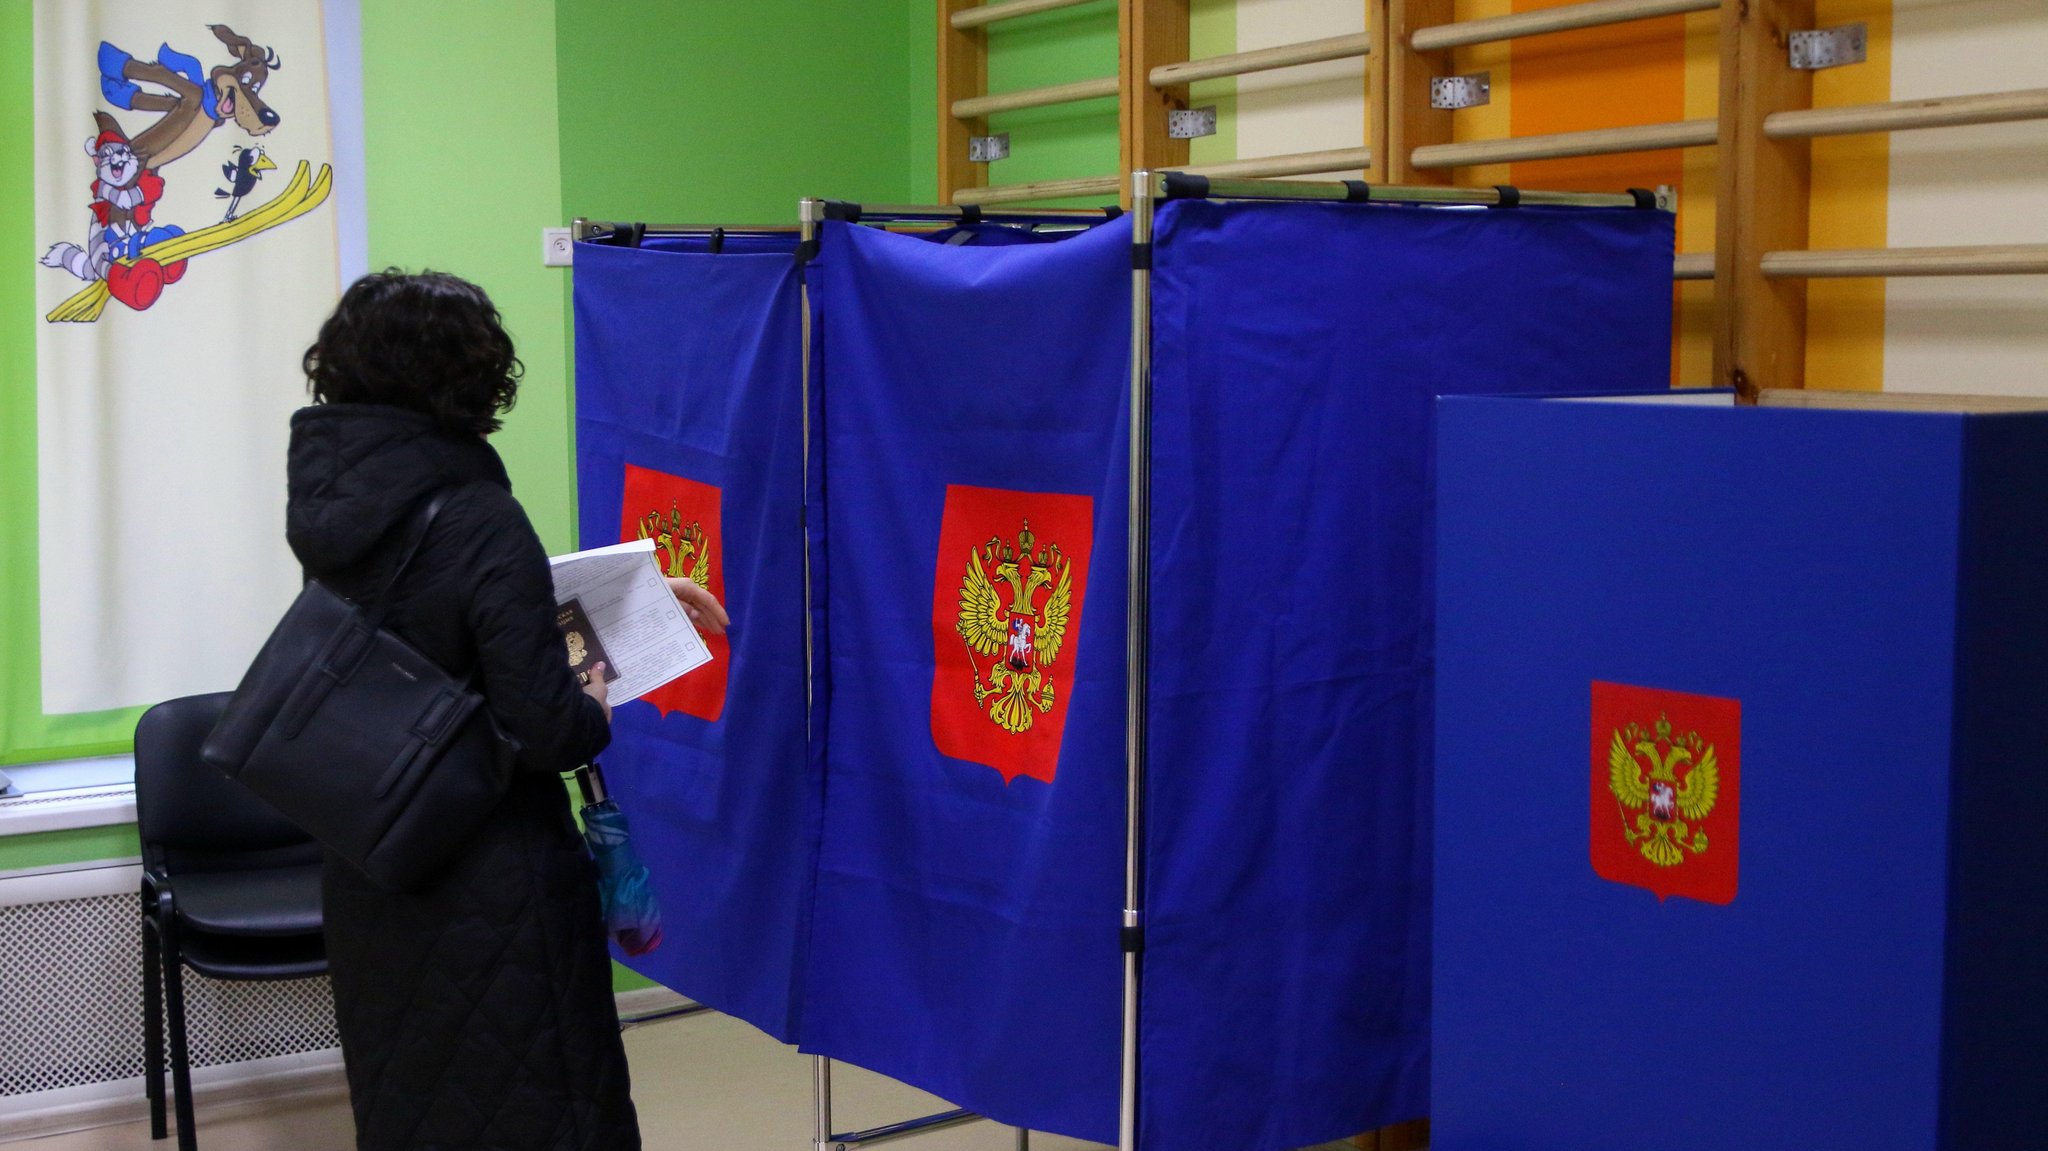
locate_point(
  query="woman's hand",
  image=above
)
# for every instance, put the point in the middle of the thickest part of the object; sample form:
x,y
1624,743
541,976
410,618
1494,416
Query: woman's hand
x,y
596,688
703,607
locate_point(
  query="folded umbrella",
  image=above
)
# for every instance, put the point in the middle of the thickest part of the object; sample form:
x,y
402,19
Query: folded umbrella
x,y
631,913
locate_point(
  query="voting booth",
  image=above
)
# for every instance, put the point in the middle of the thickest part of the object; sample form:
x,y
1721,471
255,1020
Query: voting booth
x,y
1008,508
1743,715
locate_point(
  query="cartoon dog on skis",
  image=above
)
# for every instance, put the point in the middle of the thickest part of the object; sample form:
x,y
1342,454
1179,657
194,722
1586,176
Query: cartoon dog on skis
x,y
190,104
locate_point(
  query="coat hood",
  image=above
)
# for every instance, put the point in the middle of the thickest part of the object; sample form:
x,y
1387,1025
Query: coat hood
x,y
355,470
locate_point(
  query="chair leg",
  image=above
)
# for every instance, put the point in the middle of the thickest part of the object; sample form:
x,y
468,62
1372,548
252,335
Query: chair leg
x,y
181,1067
153,1030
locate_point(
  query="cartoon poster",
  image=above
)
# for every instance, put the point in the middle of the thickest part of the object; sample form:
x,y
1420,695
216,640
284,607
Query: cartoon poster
x,y
188,246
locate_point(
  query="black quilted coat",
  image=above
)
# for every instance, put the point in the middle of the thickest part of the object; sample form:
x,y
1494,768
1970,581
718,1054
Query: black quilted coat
x,y
475,1012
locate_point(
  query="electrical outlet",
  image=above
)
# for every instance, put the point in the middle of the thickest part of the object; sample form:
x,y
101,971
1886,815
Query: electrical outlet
x,y
557,248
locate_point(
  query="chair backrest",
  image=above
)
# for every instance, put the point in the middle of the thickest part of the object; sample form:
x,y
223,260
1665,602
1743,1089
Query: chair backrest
x,y
191,817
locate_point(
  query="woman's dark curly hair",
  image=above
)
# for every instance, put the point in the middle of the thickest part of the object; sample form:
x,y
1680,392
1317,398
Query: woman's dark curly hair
x,y
430,342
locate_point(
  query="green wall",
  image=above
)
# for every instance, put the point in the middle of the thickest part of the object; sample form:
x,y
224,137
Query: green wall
x,y
463,171
1062,141
730,113
920,98
1212,31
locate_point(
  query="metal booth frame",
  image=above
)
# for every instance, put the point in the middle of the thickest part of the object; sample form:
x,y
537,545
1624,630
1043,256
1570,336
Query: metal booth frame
x,y
1149,190
812,212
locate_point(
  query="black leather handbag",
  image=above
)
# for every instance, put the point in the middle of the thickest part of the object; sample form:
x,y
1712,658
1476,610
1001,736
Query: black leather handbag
x,y
365,743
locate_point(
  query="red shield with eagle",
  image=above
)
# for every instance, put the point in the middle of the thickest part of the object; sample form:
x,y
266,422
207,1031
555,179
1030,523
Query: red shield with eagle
x,y
681,517
1007,590
1667,790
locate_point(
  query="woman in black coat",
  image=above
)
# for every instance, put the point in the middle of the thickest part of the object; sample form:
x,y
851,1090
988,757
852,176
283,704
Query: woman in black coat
x,y
476,1010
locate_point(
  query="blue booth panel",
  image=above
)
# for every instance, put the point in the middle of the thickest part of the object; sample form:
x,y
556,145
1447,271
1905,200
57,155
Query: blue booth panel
x,y
1742,741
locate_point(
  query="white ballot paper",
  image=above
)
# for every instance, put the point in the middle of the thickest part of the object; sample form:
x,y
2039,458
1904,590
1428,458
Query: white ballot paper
x,y
614,608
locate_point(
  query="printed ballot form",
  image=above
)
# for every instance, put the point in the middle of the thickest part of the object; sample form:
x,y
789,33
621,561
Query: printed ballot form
x,y
614,608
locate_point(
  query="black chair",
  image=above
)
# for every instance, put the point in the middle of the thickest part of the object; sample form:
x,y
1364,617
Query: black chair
x,y
229,888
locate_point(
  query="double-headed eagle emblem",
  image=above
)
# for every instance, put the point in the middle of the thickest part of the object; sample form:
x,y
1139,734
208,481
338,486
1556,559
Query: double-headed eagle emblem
x,y
1015,601
681,548
1669,809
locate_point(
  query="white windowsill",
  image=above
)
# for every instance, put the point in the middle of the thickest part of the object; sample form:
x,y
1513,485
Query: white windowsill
x,y
69,794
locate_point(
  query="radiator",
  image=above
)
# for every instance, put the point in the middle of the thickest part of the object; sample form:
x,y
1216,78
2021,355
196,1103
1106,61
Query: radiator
x,y
71,1048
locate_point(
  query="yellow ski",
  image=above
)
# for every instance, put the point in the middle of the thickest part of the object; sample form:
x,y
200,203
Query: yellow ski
x,y
303,194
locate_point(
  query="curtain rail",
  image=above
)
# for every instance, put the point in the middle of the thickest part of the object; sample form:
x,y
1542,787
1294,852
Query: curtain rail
x,y
1168,185
1042,190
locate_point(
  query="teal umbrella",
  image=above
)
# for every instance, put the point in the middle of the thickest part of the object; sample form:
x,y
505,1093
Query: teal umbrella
x,y
631,913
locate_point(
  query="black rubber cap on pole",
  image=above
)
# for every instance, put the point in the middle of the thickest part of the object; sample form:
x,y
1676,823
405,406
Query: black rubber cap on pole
x,y
1182,186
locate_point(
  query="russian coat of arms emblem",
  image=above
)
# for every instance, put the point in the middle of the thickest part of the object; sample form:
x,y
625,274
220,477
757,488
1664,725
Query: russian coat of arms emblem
x,y
1643,773
1021,626
1666,793
1008,585
681,516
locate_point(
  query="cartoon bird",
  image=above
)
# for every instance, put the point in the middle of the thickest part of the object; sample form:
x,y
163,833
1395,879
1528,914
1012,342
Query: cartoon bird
x,y
243,171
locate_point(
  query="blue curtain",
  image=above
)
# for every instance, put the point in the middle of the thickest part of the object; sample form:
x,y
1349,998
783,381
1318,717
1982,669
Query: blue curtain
x,y
968,461
973,417
1297,353
689,409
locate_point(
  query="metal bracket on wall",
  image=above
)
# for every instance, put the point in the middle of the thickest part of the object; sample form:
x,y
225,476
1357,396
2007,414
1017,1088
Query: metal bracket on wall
x,y
1450,93
1188,123
988,149
1817,48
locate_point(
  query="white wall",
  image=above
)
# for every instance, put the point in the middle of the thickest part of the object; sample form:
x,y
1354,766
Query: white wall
x,y
1307,108
1979,185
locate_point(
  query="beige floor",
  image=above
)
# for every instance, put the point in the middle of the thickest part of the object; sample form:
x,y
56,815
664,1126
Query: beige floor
x,y
700,1082
705,1081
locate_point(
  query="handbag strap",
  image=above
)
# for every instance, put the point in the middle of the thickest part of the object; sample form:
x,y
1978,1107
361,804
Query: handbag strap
x,y
424,520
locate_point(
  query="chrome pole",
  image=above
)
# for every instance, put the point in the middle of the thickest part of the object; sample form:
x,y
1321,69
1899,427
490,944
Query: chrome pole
x,y
921,1125
810,213
1139,611
821,1103
1249,188
628,1022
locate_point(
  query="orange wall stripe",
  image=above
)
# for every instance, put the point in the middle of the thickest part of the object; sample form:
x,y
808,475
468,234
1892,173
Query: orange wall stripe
x,y
1617,76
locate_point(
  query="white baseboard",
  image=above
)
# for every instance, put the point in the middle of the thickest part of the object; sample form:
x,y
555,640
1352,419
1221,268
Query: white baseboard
x,y
231,1089
214,1089
650,1000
